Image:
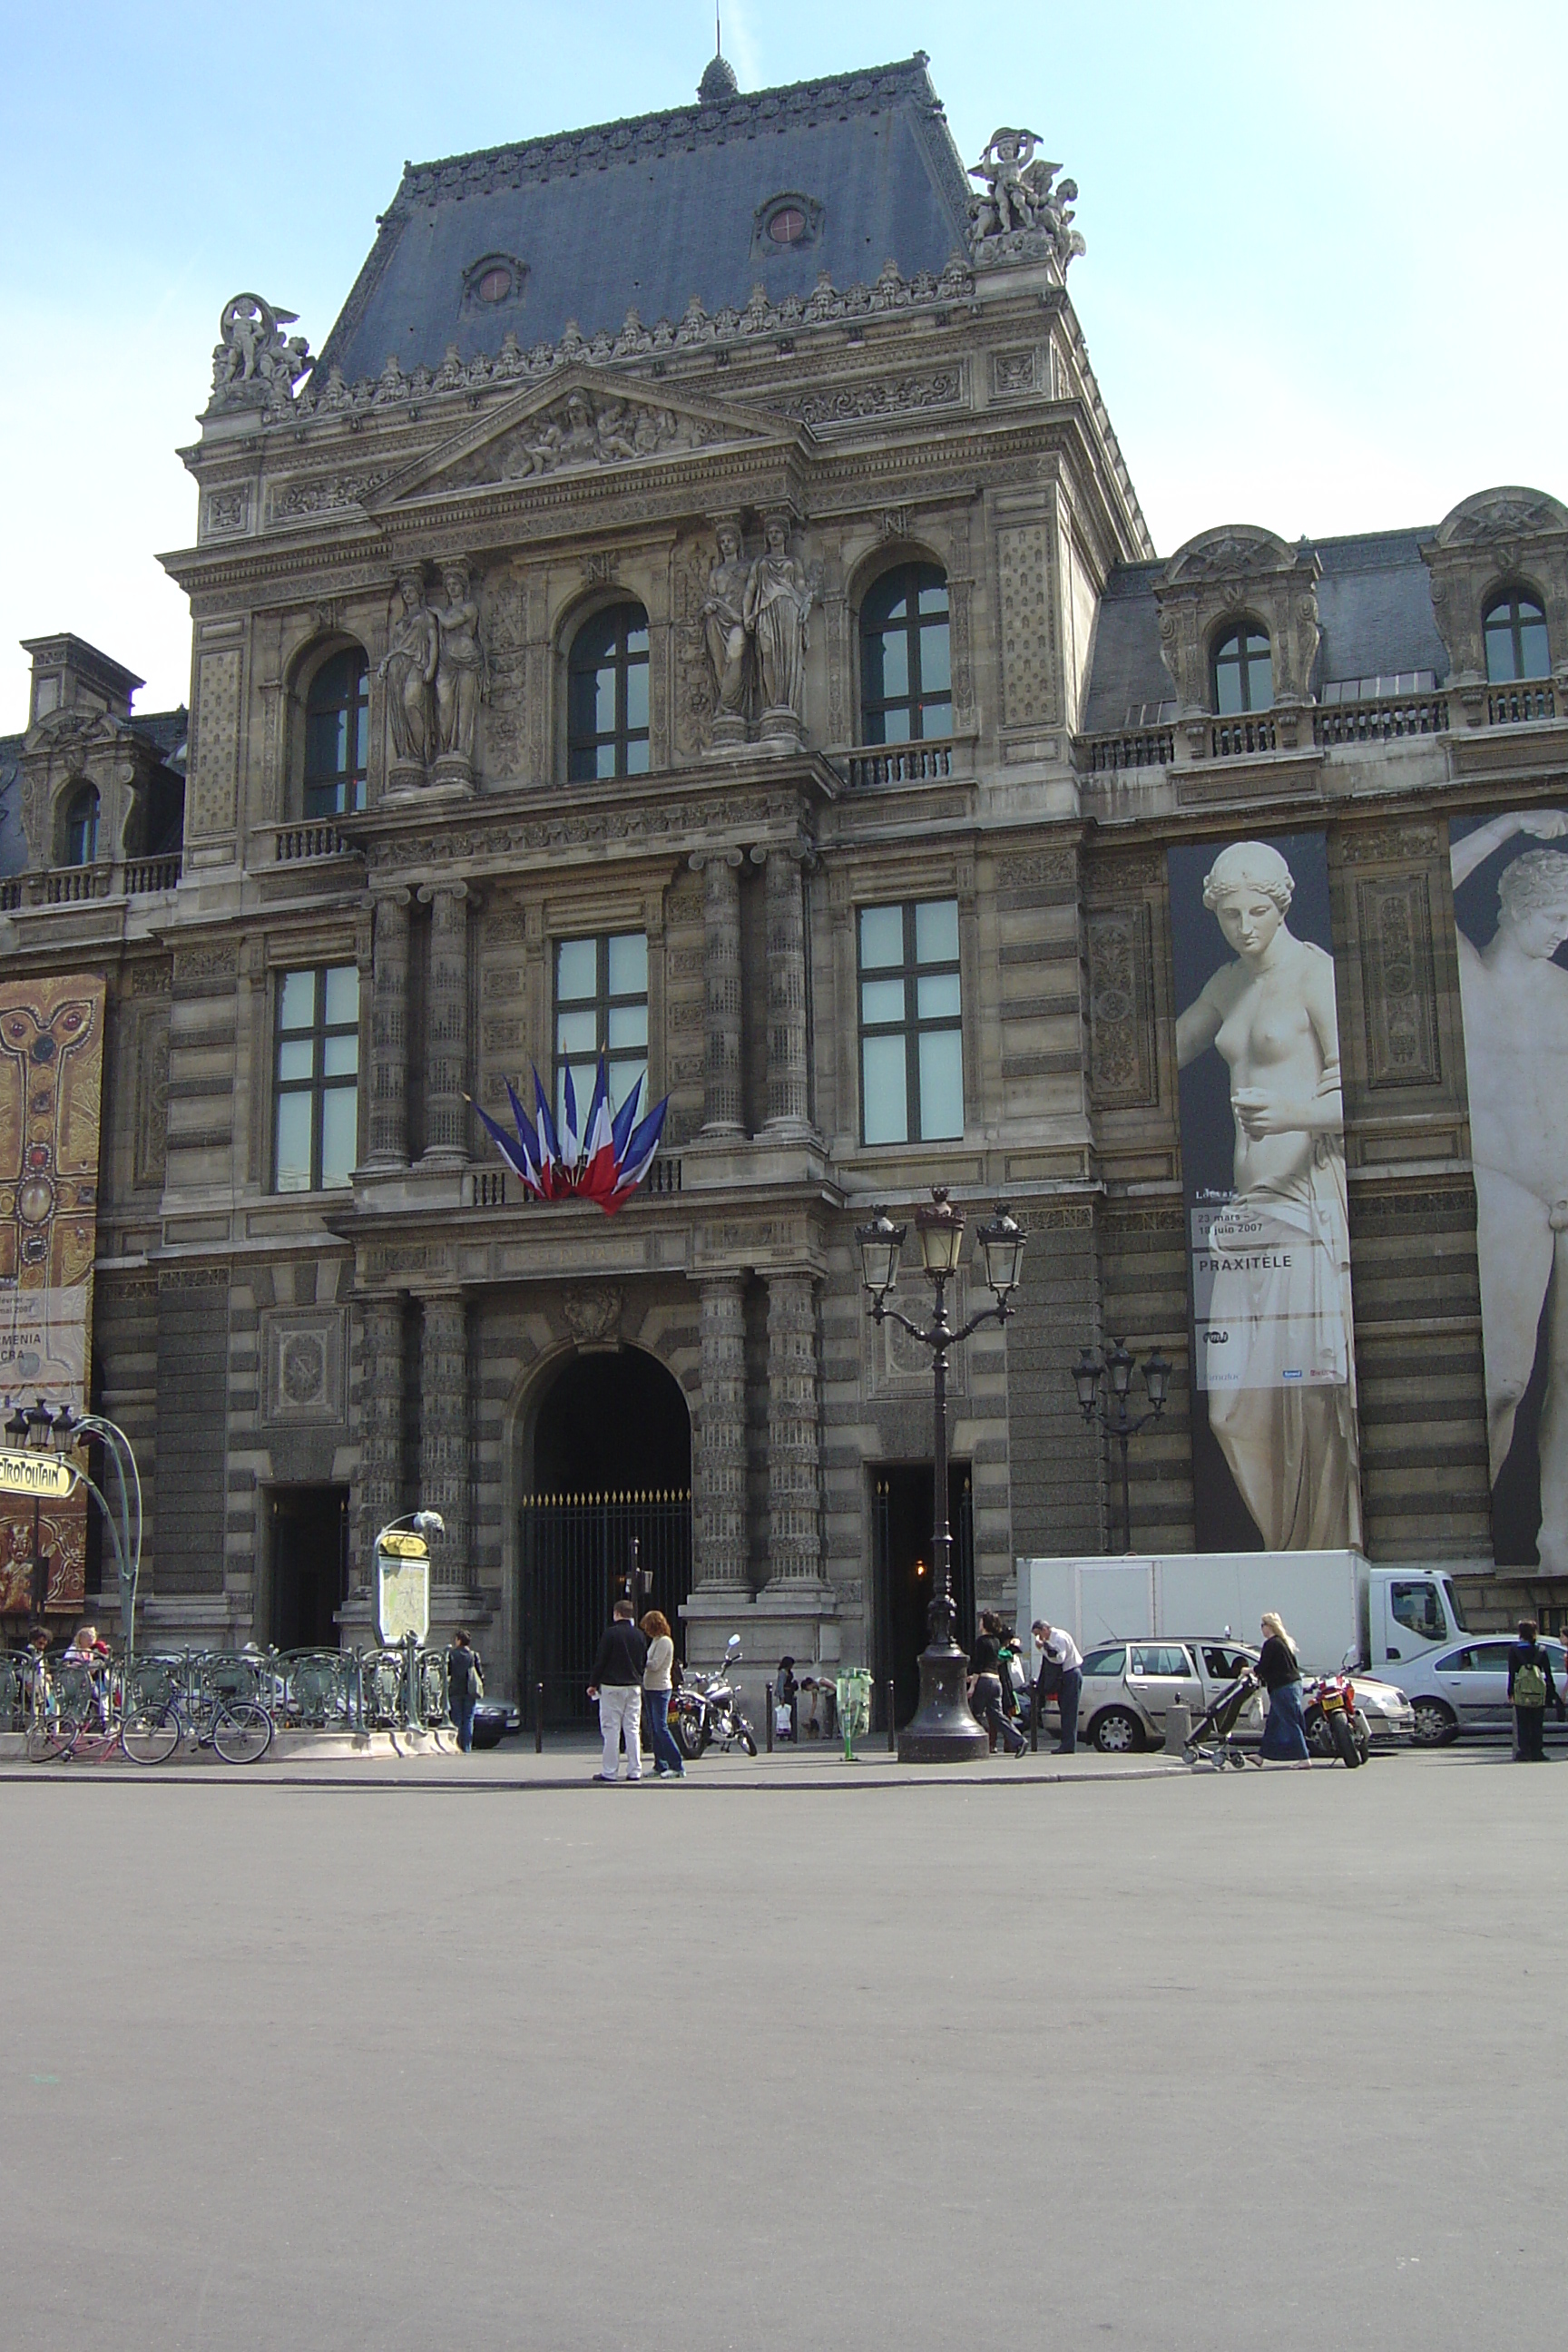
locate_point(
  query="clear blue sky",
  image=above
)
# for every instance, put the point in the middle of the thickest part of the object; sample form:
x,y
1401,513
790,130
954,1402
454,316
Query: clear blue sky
x,y
1323,291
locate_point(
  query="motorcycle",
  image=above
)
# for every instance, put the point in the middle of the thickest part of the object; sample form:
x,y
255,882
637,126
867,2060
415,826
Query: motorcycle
x,y
1335,1724
703,1713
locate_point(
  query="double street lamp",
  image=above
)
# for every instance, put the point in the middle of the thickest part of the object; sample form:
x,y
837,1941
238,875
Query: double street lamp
x,y
1113,1416
943,1730
39,1428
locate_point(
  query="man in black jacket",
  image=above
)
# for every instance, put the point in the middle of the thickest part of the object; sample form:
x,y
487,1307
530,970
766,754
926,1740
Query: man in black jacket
x,y
618,1687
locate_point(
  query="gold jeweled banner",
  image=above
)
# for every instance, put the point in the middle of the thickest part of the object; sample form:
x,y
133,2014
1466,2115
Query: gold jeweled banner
x,y
51,1083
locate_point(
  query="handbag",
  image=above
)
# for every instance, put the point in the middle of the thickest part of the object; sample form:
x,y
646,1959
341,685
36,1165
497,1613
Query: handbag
x,y
476,1681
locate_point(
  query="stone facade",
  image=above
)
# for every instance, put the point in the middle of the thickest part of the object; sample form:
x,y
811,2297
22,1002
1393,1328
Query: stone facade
x,y
396,1336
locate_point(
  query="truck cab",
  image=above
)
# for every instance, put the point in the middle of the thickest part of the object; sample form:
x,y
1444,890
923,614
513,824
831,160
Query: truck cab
x,y
1410,1612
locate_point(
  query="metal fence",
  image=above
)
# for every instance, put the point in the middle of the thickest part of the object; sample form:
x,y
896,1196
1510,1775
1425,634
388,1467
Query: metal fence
x,y
302,1690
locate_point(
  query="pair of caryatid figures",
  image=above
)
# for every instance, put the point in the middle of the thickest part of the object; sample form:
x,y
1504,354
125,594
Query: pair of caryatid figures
x,y
436,676
754,625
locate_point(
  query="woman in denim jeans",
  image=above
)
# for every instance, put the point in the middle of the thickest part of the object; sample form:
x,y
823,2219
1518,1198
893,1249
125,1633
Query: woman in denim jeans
x,y
656,1678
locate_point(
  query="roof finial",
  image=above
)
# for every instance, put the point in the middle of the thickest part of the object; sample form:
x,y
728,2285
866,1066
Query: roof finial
x,y
719,82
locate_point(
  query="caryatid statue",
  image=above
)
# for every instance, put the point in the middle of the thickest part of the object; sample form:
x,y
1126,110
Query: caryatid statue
x,y
724,626
778,603
409,668
460,679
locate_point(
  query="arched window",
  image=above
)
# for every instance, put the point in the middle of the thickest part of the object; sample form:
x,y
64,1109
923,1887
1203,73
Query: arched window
x,y
1243,671
607,695
1516,638
905,671
337,736
81,827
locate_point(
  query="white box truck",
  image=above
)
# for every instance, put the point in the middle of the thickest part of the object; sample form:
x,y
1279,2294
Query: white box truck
x,y
1332,1602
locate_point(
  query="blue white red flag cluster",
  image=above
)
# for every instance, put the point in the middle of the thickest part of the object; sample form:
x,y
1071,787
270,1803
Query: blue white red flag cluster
x,y
604,1158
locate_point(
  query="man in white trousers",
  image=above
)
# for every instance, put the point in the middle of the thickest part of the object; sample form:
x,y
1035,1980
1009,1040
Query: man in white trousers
x,y
618,1687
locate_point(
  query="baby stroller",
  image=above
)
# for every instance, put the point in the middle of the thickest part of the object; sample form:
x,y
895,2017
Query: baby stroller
x,y
1211,1744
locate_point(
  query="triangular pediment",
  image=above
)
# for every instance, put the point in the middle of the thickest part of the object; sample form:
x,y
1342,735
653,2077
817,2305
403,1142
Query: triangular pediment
x,y
582,420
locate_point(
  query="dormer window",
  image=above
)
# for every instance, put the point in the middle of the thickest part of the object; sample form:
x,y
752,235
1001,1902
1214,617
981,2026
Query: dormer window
x,y
81,827
1243,671
787,224
1516,638
494,278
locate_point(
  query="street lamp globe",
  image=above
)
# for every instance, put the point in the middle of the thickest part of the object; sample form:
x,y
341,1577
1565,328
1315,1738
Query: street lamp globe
x,y
1086,1378
879,1243
1002,1240
16,1426
1157,1380
1118,1364
940,1231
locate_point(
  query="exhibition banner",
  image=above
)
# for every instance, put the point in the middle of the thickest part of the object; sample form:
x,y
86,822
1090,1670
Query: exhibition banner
x,y
1276,1443
51,1079
1511,908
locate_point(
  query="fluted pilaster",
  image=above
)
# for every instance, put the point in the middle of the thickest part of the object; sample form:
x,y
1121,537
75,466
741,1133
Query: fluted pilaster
x,y
380,1421
444,1430
446,1044
718,1457
786,908
389,1033
722,1102
794,1523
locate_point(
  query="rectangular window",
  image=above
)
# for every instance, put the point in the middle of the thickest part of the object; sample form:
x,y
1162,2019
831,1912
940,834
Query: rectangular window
x,y
315,1084
912,1029
601,1007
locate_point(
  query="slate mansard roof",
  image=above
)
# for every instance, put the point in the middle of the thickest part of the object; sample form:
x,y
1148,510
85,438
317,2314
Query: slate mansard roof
x,y
646,214
1374,608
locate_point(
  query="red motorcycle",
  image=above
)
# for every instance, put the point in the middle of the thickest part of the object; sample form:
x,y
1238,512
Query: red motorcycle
x,y
1335,1724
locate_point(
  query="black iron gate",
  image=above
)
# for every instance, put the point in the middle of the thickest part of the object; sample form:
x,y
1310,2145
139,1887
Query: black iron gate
x,y
901,1510
576,1552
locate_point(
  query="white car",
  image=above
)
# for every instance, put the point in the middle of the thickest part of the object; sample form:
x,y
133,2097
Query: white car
x,y
1129,1685
1466,1689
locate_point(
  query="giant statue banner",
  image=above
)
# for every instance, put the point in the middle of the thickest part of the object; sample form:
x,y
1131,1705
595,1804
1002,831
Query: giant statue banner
x,y
1511,905
1276,1442
51,1072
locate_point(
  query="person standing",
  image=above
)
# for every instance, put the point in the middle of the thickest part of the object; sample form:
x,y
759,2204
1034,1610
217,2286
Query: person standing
x,y
985,1690
1531,1691
1061,1670
465,1686
618,1687
1279,1672
657,1678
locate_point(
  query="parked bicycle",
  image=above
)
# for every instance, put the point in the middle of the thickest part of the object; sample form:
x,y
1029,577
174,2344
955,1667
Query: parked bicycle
x,y
238,1729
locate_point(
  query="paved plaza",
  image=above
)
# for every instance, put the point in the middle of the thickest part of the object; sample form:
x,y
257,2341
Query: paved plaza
x,y
480,2055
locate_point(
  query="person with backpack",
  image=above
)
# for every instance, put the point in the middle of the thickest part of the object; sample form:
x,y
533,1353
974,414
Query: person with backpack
x,y
1531,1691
465,1686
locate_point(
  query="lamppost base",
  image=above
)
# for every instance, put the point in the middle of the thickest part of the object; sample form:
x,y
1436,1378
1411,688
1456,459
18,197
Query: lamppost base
x,y
942,1730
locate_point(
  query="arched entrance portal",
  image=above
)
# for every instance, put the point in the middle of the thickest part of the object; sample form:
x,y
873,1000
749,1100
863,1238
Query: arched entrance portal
x,y
611,1468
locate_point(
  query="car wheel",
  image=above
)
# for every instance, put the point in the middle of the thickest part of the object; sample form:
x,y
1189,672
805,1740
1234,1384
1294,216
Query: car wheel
x,y
1435,1723
1117,1733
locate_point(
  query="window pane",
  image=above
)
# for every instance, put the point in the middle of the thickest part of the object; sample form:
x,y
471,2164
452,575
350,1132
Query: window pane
x,y
936,674
326,743
1259,682
881,936
1499,647
296,1000
339,1119
293,1156
637,758
894,726
636,698
636,635
936,932
628,963
582,1076
894,662
577,970
623,1076
578,1033
343,994
941,1083
881,1000
603,718
933,593
340,1057
936,720
936,997
628,1024
884,1090
1537,661
297,1058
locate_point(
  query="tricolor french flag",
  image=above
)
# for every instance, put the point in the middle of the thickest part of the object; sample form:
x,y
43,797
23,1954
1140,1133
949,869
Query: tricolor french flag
x,y
604,1161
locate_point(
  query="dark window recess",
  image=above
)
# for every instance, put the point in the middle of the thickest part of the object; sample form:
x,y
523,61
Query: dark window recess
x,y
607,695
1243,672
906,672
82,825
337,736
1516,638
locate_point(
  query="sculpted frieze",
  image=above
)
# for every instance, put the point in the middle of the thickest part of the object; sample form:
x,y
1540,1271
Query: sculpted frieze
x,y
585,828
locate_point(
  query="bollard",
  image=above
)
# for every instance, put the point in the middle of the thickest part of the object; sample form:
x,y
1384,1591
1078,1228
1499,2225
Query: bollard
x,y
539,1718
1178,1728
769,1689
892,1735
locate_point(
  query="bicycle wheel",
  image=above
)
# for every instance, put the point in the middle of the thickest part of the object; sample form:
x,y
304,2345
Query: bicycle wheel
x,y
242,1732
51,1738
149,1735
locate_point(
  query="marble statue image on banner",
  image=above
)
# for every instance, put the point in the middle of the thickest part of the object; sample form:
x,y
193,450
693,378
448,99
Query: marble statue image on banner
x,y
1263,1158
1511,904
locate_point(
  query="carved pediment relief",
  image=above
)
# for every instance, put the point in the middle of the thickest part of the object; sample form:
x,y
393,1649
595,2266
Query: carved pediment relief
x,y
1234,551
583,420
1502,514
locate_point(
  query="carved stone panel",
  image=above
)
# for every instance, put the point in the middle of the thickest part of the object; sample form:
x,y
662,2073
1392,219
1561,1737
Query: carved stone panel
x,y
1399,982
1029,697
152,1094
304,1359
215,745
1123,1068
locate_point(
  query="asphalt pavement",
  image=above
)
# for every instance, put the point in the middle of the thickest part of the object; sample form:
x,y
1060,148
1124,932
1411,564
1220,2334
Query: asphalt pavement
x,y
472,2052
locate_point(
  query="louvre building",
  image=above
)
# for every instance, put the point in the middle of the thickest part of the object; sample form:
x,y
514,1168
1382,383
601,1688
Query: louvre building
x,y
694,615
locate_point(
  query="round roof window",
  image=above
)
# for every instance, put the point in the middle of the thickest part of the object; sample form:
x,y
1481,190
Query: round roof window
x,y
787,225
494,284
